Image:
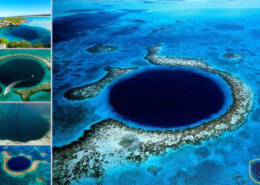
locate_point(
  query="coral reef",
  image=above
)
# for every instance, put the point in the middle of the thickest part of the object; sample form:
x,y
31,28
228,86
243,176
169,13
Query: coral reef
x,y
93,89
154,169
110,143
40,180
233,56
33,166
25,94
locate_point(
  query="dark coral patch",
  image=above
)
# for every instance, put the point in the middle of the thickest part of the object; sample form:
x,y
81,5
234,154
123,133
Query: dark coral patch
x,y
98,48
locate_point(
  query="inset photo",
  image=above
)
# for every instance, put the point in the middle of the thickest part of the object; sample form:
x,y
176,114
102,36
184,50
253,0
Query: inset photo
x,y
25,24
25,165
25,124
25,75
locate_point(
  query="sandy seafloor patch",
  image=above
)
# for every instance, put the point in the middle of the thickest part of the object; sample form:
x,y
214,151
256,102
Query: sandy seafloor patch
x,y
207,35
43,170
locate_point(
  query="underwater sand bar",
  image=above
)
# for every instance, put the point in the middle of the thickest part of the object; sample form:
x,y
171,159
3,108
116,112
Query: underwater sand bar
x,y
110,143
93,89
33,167
46,61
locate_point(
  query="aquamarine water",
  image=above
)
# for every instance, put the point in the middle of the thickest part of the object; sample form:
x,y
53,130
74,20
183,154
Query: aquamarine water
x,y
204,30
34,30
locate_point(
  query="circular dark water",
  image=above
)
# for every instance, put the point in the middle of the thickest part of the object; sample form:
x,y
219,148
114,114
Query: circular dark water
x,y
166,98
26,32
19,163
21,69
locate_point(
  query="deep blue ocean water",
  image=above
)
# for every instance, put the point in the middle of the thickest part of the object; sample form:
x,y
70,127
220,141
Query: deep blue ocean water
x,y
166,98
204,30
18,163
28,70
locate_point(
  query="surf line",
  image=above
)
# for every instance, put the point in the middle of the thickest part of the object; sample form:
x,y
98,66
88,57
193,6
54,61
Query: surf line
x,y
13,84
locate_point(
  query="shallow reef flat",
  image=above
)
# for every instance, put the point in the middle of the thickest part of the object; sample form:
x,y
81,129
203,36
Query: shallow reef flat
x,y
25,94
93,89
111,143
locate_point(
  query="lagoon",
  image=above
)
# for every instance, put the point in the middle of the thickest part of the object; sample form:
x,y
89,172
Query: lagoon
x,y
34,30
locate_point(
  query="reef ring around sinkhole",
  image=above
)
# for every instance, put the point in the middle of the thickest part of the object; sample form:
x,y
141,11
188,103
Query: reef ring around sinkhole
x,y
235,110
169,97
139,144
30,165
33,83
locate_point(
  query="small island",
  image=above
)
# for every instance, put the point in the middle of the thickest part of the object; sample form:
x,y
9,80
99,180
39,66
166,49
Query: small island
x,y
11,21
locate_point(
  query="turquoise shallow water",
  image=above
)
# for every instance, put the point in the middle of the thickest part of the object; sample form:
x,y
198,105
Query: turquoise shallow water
x,y
34,30
41,96
198,30
43,169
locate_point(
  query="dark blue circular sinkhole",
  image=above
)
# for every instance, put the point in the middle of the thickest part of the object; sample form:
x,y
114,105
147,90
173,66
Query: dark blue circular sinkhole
x,y
166,98
29,71
19,163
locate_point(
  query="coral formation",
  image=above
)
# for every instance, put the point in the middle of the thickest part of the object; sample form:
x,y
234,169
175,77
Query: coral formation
x,y
93,89
99,48
33,166
25,94
110,143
